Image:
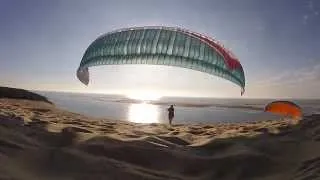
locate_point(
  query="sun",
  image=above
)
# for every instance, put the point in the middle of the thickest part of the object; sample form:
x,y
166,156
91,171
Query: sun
x,y
144,96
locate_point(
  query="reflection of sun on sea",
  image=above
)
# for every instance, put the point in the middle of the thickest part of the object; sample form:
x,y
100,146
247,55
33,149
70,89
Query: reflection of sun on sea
x,y
143,112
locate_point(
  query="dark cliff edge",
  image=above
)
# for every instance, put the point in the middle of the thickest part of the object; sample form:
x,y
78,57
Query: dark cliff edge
x,y
14,93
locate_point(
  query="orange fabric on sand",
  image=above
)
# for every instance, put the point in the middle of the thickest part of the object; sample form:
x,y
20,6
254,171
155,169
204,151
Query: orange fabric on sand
x,y
285,108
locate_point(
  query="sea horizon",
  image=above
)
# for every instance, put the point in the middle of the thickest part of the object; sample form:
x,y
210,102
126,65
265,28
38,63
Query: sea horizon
x,y
188,109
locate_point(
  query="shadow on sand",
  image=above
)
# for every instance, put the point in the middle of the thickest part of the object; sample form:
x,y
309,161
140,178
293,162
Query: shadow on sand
x,y
32,152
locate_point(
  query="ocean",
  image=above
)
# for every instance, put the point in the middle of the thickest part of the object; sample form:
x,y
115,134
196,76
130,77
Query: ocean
x,y
187,110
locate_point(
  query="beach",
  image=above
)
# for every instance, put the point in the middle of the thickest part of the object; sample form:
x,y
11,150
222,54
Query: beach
x,y
38,140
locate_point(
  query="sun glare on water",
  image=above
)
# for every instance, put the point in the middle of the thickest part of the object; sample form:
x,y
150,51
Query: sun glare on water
x,y
143,113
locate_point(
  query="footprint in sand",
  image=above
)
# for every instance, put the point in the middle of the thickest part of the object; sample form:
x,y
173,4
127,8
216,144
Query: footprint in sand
x,y
174,133
108,126
175,140
36,121
78,129
132,136
40,110
73,123
316,135
207,127
9,145
196,132
309,169
107,130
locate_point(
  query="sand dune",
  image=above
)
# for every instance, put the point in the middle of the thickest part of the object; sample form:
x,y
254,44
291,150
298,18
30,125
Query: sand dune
x,y
41,141
7,92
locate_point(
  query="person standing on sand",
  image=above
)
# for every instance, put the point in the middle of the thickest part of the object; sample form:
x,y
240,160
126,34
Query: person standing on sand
x,y
170,114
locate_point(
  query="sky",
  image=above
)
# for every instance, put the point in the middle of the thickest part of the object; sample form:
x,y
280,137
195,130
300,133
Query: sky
x,y
277,42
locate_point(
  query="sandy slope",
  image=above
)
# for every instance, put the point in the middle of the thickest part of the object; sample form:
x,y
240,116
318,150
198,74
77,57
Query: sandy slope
x,y
40,141
8,92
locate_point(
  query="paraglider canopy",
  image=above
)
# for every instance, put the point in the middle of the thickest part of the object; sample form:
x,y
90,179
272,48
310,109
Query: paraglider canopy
x,y
166,46
286,108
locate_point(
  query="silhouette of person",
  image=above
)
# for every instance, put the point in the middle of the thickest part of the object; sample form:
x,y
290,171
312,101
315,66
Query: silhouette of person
x,y
170,114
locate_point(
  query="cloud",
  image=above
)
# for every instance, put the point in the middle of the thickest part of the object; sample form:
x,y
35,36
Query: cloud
x,y
312,12
309,75
310,5
305,19
290,83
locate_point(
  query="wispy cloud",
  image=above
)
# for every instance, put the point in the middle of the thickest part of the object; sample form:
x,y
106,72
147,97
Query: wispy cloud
x,y
312,11
309,75
305,19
